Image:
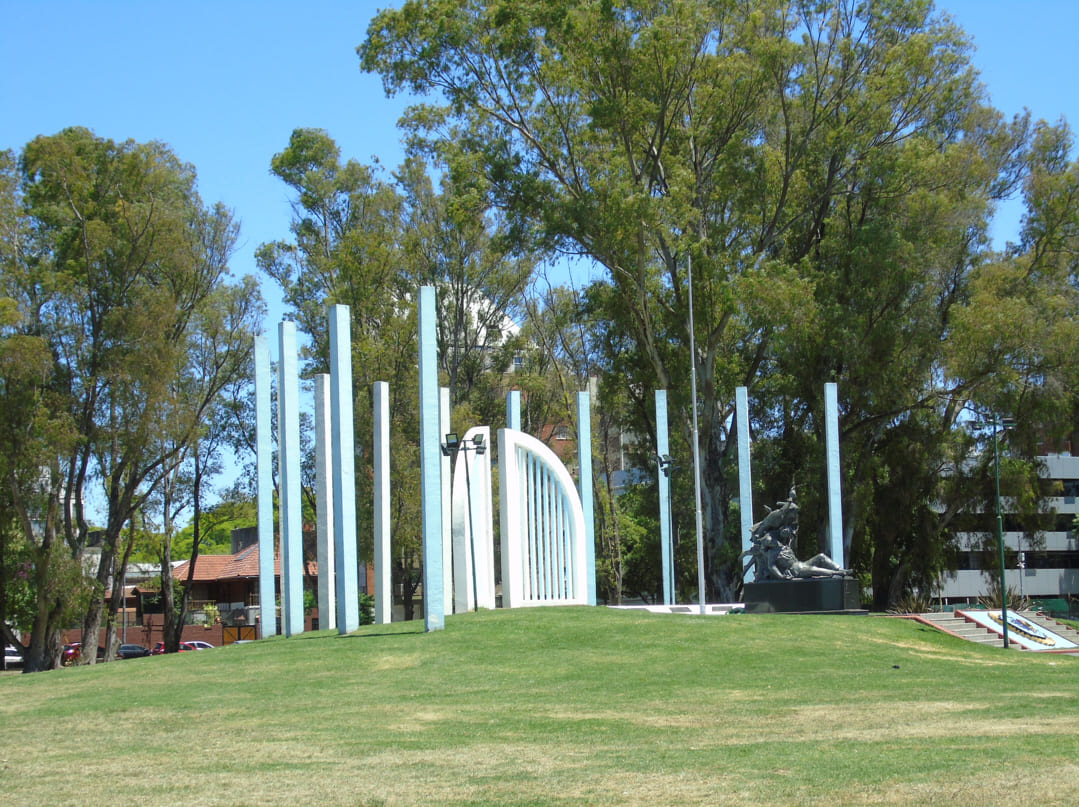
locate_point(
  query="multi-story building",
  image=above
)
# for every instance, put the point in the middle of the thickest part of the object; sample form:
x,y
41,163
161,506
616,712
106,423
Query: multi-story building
x,y
1044,570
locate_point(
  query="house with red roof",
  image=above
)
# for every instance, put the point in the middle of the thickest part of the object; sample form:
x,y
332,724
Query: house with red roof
x,y
231,584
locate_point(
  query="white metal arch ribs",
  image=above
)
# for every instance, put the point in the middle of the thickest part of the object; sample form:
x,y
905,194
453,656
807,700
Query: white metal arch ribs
x,y
543,533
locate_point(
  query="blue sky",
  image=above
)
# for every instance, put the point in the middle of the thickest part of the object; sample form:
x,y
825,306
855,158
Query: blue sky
x,y
225,83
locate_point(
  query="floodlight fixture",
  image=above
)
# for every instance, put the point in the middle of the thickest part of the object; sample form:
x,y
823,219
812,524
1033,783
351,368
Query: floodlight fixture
x,y
452,444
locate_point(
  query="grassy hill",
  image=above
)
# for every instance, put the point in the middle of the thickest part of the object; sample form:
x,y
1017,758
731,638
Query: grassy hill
x,y
557,706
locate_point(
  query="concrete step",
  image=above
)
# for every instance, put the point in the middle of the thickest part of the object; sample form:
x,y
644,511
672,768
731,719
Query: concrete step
x,y
964,628
1050,624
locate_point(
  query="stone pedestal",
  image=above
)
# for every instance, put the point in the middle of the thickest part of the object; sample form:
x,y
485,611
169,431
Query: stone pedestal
x,y
818,595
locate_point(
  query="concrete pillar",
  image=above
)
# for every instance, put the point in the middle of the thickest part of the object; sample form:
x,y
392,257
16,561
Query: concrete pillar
x,y
513,410
434,613
835,496
745,480
344,470
288,454
327,607
264,482
444,428
663,476
383,558
584,459
473,524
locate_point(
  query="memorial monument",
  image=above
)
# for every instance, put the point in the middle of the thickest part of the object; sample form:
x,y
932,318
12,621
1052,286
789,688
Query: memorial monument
x,y
784,584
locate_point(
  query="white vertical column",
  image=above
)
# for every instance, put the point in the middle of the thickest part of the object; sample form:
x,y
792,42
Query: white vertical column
x,y
383,566
327,608
513,410
513,530
434,613
447,515
663,476
264,478
584,459
472,524
288,447
745,480
835,498
344,470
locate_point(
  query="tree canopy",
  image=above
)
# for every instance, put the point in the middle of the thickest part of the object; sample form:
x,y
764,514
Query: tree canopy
x,y
116,292
829,171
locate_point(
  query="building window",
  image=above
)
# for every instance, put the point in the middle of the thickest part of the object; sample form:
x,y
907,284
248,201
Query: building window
x,y
561,432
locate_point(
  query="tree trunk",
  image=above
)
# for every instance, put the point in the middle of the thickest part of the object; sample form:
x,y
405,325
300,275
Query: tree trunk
x,y
91,626
118,599
172,627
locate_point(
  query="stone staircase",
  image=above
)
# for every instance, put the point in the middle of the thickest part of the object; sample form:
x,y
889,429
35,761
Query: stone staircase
x,y
1059,628
973,632
963,628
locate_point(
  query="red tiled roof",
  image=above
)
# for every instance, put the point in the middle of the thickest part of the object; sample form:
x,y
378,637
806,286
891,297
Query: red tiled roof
x,y
244,564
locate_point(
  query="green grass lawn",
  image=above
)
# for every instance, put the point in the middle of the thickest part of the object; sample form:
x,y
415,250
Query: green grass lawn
x,y
557,706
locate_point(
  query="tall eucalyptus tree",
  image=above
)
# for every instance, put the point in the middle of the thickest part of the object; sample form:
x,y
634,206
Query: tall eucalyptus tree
x,y
828,168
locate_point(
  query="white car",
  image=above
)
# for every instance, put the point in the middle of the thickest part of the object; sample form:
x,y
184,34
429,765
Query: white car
x,y
11,657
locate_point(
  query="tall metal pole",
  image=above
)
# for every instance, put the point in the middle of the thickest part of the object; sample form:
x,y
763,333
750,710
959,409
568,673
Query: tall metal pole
x,y
701,589
1000,528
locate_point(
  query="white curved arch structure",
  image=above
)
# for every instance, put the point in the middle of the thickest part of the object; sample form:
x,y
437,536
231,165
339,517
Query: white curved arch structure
x,y
472,525
544,559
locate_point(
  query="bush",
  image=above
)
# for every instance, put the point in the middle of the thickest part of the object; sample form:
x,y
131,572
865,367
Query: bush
x,y
912,603
367,609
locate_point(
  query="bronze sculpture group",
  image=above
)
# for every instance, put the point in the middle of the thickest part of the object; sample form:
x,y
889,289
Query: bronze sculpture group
x,y
772,551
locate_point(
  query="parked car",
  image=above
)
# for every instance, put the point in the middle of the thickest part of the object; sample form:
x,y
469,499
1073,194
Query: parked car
x,y
73,652
132,651
185,647
12,658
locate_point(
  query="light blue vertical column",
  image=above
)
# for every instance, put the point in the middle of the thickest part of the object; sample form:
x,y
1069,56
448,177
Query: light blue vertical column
x,y
383,571
288,448
434,615
835,499
513,410
584,460
745,480
344,470
663,475
447,515
327,609
264,480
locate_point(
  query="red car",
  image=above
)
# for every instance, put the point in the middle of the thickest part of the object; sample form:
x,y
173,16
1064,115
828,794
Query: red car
x,y
73,652
185,647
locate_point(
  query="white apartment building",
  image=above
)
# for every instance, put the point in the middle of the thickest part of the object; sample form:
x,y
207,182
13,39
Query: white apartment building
x,y
1049,570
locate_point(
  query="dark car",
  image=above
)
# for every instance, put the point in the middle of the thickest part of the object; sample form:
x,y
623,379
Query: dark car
x,y
132,651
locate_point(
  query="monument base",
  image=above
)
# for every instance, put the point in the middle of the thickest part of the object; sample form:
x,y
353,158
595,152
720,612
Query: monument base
x,y
810,596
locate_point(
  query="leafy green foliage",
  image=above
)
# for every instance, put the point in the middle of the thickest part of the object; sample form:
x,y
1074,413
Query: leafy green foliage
x,y
218,523
827,171
123,329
